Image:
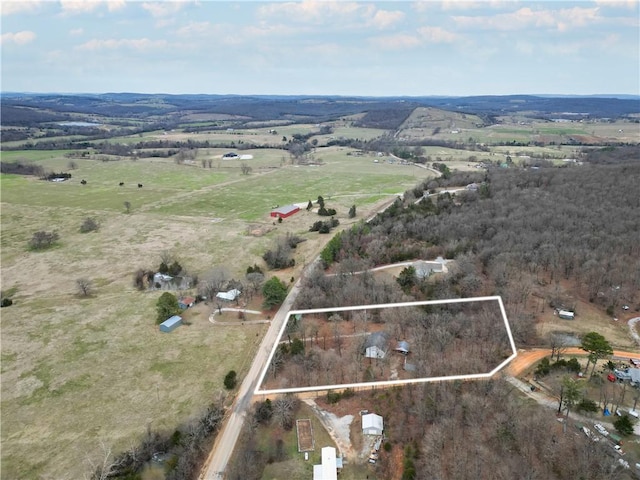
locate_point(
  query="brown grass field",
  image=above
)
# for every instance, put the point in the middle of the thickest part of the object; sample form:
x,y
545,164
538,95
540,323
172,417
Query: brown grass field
x,y
77,373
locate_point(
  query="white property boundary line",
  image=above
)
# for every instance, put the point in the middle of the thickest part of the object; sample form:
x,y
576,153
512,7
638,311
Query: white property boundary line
x,y
388,383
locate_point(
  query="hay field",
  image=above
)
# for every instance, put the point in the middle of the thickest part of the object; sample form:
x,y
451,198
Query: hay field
x,y
80,371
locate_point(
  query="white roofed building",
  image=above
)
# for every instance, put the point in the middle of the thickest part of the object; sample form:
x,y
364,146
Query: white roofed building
x,y
328,469
372,424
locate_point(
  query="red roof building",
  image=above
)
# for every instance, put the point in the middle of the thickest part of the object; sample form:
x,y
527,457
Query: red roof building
x,y
284,212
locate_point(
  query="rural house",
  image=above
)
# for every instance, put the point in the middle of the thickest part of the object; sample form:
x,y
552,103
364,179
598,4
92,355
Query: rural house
x,y
229,296
376,345
284,212
170,324
424,269
372,424
186,302
328,469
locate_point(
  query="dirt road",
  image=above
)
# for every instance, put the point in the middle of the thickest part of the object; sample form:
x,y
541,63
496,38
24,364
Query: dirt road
x,y
226,440
526,358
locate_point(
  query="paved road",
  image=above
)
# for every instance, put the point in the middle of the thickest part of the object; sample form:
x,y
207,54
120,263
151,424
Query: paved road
x,y
226,440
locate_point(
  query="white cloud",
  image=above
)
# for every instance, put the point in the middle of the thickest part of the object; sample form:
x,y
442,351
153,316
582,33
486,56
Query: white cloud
x,y
437,35
19,38
618,3
314,11
318,12
385,18
195,29
139,44
400,41
526,18
78,6
163,9
76,31
12,6
73,7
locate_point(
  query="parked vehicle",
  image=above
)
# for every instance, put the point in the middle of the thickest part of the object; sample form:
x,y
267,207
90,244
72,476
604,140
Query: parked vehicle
x,y
601,429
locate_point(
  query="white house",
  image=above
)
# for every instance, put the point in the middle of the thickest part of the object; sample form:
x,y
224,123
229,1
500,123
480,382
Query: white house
x,y
424,269
372,424
328,469
376,345
228,296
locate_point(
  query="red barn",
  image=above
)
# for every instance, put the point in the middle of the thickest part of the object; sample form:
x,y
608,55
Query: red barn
x,y
284,212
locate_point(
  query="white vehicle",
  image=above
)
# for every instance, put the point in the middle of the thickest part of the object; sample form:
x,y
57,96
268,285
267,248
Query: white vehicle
x,y
590,434
618,449
601,429
624,463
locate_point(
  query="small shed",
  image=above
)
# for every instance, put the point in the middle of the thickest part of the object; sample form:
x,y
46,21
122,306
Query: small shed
x,y
372,424
171,324
566,314
284,212
376,345
186,302
402,347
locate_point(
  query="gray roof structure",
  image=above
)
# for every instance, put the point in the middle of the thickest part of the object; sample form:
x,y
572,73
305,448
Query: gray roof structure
x,y
377,339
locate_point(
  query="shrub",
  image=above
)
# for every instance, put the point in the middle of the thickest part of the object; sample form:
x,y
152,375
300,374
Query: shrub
x,y
333,397
587,405
230,380
89,225
624,425
6,302
167,306
42,240
543,367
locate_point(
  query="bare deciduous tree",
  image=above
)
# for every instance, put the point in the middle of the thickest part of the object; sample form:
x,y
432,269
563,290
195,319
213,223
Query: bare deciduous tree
x,y
84,286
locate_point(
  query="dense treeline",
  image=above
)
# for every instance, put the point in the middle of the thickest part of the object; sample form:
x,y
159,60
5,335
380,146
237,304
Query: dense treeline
x,y
472,430
521,229
388,119
182,451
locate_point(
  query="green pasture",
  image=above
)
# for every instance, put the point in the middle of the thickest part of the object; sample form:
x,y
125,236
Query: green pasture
x,y
338,181
102,372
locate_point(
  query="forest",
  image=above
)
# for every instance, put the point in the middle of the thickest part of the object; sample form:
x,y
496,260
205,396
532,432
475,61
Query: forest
x,y
524,230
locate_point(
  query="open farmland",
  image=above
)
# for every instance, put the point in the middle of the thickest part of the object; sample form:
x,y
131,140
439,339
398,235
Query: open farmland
x,y
80,371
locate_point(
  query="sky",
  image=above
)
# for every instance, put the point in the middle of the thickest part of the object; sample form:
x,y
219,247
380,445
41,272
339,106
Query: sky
x,y
368,48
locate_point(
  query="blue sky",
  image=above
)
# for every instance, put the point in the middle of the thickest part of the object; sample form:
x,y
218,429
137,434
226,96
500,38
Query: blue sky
x,y
321,47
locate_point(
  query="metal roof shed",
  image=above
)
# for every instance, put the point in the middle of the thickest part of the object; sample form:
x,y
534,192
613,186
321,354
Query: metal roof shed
x,y
372,424
171,324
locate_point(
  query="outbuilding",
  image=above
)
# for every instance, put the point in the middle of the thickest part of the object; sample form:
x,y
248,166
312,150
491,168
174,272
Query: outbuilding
x,y
284,212
186,302
372,424
376,345
402,347
566,314
328,469
171,324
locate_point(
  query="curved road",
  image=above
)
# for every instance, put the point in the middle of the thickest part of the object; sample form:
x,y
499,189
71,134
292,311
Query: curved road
x,y
526,358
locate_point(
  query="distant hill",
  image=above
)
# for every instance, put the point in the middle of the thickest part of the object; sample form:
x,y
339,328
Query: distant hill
x,y
382,112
